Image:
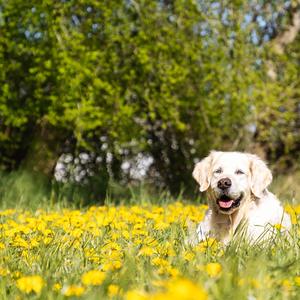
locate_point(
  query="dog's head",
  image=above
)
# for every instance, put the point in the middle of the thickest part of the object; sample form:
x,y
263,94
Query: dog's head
x,y
231,177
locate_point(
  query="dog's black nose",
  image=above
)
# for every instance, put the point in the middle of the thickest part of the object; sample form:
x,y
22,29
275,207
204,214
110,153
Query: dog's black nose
x,y
224,183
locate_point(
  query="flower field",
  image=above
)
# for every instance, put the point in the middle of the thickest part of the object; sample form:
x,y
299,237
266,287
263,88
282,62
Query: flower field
x,y
138,252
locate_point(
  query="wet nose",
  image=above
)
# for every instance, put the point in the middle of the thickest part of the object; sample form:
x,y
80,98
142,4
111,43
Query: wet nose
x,y
224,183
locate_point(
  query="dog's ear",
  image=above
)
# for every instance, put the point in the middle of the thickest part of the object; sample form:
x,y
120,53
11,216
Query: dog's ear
x,y
261,175
202,172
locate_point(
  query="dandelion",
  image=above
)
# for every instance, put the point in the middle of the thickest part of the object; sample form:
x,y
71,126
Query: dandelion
x,y
294,212
287,285
7,212
184,289
113,290
161,225
241,282
254,283
188,255
213,269
112,265
126,234
147,239
297,280
157,261
93,277
146,251
279,226
30,284
3,272
173,272
179,289
210,243
56,287
73,290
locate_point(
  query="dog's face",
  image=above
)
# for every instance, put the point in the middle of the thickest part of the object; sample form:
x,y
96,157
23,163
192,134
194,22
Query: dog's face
x,y
230,178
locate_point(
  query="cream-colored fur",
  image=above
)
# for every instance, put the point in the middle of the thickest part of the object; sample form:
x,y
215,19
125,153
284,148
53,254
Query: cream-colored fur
x,y
255,209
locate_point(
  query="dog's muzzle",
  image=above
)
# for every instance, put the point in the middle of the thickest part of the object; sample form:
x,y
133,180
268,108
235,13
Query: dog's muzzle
x,y
226,203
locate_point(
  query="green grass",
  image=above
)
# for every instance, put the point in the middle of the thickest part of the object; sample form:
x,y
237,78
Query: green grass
x,y
40,237
287,187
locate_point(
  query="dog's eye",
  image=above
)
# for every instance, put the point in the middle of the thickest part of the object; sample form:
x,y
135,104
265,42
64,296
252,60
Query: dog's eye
x,y
239,172
218,171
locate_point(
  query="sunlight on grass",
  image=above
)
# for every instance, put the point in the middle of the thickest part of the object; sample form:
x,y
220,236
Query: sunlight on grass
x,y
138,252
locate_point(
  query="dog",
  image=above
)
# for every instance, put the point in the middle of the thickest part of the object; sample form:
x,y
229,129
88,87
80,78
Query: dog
x,y
235,184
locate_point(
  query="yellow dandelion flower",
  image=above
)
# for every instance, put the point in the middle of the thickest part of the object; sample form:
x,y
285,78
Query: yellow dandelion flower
x,y
255,283
241,282
113,290
210,243
7,212
34,243
161,225
20,242
126,234
278,226
4,272
146,251
188,255
30,284
213,269
73,290
293,212
93,277
286,284
297,280
47,240
157,261
173,272
112,265
56,287
182,289
77,233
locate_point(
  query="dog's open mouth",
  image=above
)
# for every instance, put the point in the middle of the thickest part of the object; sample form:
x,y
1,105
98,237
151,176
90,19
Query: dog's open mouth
x,y
226,203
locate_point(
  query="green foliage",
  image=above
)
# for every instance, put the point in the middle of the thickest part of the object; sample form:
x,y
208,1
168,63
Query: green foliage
x,y
169,79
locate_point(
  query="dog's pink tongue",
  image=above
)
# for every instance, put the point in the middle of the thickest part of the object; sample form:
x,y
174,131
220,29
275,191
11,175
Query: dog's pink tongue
x,y
225,204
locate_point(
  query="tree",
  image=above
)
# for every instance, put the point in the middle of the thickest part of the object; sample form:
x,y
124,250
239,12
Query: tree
x,y
166,79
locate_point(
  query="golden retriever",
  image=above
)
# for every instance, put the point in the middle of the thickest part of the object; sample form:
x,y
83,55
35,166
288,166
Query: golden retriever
x,y
236,184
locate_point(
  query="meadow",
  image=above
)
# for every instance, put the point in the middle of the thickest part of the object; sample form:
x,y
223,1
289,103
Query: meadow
x,y
105,106
136,251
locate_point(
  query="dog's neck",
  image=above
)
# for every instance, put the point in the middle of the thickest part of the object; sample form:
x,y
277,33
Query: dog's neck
x,y
227,224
